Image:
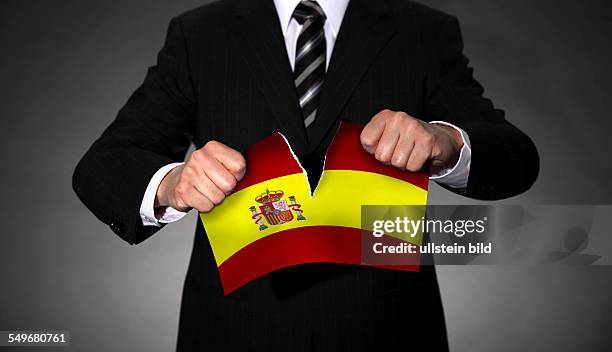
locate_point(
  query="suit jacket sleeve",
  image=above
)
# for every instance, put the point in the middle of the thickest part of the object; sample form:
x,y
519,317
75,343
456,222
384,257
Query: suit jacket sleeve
x,y
505,161
153,129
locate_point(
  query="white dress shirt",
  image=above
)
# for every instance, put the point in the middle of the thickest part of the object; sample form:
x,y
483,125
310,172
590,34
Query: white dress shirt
x,y
455,176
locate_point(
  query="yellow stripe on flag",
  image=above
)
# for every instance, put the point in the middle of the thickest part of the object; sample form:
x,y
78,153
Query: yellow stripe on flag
x,y
337,202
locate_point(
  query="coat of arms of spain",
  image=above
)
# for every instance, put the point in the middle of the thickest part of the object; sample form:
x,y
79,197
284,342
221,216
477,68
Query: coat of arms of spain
x,y
275,210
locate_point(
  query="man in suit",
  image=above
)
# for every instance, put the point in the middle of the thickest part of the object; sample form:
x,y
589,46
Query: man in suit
x,y
235,71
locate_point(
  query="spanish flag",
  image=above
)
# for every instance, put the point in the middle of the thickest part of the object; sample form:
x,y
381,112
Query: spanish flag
x,y
272,221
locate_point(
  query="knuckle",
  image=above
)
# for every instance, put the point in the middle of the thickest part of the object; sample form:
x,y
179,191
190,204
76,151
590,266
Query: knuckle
x,y
217,196
381,156
185,178
397,162
210,146
413,166
419,126
412,125
398,118
382,114
240,166
427,138
367,140
188,172
206,207
227,184
242,162
197,156
386,113
231,183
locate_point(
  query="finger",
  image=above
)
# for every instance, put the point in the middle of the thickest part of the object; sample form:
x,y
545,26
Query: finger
x,y
386,144
402,151
209,189
190,197
420,154
218,174
233,160
373,130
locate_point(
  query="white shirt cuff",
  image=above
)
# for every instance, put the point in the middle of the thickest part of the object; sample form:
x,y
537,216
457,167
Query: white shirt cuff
x,y
456,176
155,217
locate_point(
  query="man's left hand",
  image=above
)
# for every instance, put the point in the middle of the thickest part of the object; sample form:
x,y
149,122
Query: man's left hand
x,y
398,139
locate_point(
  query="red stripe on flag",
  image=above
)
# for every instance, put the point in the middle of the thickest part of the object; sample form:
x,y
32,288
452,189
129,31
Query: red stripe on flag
x,y
346,153
268,159
313,244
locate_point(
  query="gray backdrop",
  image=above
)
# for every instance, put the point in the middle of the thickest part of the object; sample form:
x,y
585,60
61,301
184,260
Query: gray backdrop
x,y
67,66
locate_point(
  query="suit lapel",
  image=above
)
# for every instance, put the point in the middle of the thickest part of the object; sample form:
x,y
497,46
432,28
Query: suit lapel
x,y
366,28
258,37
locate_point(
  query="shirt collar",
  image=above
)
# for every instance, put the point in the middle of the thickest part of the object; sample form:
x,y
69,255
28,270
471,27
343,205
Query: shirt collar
x,y
334,10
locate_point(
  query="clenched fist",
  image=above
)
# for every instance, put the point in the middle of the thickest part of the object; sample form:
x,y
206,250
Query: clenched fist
x,y
398,139
210,174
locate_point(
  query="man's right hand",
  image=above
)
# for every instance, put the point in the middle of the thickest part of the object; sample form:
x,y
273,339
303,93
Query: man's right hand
x,y
210,174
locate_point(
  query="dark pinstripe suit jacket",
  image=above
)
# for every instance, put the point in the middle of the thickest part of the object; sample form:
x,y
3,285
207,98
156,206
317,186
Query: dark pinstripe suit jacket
x,y
224,74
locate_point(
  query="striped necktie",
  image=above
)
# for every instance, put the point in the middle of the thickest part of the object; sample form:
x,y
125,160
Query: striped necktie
x,y
310,52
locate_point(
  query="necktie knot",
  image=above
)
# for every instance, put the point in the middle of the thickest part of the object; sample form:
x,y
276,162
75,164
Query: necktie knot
x,y
308,10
